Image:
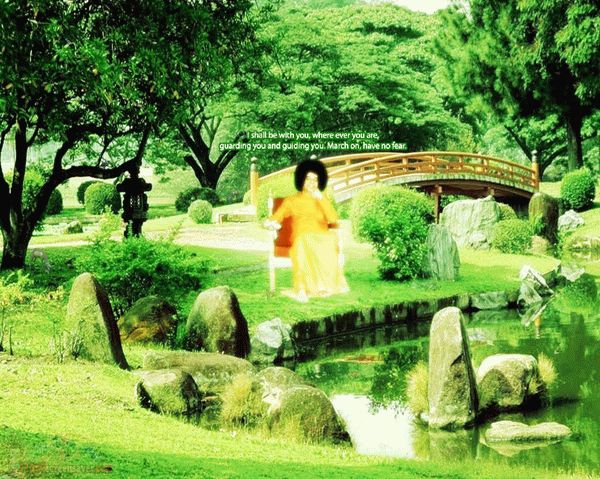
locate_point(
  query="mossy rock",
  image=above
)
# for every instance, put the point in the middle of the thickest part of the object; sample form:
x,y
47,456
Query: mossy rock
x,y
150,319
91,324
211,371
512,431
280,377
216,324
543,215
307,412
168,391
508,381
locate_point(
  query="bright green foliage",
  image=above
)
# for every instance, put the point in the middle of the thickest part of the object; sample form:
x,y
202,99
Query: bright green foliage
x,y
200,211
98,79
527,59
102,196
360,68
55,203
189,195
136,267
512,236
81,189
577,189
395,220
506,212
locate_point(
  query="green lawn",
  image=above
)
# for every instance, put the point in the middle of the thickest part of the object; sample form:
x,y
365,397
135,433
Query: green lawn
x,y
78,419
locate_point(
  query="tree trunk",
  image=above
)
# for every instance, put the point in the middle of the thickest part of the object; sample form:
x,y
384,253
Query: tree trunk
x,y
15,247
574,150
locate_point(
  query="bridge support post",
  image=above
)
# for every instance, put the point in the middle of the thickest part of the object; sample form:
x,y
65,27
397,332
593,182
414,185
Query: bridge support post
x,y
253,182
437,196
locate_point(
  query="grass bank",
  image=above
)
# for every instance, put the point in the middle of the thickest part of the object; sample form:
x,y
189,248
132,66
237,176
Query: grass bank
x,y
79,419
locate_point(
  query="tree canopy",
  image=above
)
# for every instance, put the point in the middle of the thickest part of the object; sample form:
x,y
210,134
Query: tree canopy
x,y
527,60
76,71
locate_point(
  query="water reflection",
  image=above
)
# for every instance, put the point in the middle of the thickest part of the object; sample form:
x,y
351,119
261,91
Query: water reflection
x,y
370,395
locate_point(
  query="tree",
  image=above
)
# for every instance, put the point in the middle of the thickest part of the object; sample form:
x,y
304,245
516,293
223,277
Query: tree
x,y
527,59
73,72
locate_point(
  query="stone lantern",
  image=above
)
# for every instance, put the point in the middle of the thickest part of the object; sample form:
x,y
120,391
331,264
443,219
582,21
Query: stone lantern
x,y
135,202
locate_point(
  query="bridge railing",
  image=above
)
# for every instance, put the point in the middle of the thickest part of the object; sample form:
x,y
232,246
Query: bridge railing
x,y
347,172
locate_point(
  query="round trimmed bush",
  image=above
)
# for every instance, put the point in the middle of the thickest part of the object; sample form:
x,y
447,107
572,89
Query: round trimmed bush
x,y
200,212
189,195
82,188
395,220
507,212
55,203
512,236
100,196
578,189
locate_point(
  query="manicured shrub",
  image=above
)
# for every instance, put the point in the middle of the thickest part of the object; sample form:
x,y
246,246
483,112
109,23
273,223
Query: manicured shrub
x,y
137,267
189,195
578,189
34,180
512,236
81,189
55,203
200,212
395,220
101,196
507,212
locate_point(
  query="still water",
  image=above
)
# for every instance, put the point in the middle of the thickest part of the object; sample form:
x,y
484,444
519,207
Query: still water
x,y
365,377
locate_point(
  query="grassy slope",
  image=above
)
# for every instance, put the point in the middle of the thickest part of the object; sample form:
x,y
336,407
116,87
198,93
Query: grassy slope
x,y
76,417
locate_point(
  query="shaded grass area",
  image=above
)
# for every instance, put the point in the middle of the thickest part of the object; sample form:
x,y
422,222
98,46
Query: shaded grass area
x,y
79,419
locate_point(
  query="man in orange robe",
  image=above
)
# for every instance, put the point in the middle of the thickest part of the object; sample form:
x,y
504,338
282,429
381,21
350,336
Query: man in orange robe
x,y
317,263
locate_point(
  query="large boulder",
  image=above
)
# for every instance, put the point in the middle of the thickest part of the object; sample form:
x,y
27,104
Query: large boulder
x,y
211,371
503,431
442,261
508,381
91,323
470,221
570,221
272,342
279,377
216,323
306,411
168,391
544,212
452,390
150,319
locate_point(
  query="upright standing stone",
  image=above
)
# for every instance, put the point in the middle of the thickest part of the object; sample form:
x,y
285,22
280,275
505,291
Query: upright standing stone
x,y
442,261
543,208
452,389
216,323
91,322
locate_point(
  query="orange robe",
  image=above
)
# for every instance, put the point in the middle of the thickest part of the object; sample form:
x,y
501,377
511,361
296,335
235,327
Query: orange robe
x,y
314,250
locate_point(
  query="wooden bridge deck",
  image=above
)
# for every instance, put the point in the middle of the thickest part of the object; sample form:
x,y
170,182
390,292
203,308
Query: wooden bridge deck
x,y
436,172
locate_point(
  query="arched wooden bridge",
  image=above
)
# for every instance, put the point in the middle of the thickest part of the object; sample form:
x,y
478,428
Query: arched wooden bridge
x,y
436,172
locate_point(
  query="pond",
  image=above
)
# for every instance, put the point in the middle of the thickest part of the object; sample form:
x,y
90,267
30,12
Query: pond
x,y
364,375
